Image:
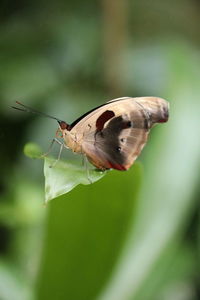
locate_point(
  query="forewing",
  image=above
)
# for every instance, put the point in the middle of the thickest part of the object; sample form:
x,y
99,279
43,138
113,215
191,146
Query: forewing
x,y
156,108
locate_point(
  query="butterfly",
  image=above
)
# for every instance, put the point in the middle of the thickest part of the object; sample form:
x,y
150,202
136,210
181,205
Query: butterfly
x,y
112,135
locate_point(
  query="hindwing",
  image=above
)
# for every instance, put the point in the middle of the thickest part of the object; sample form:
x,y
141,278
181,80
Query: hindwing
x,y
113,135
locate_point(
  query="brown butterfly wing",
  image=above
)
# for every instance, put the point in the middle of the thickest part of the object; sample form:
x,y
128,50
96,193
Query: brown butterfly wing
x,y
118,144
112,136
156,108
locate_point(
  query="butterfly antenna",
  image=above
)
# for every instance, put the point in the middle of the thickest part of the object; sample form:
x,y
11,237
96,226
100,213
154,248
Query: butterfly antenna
x,y
26,108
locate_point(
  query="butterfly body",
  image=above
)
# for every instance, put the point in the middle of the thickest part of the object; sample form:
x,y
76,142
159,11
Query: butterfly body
x,y
114,134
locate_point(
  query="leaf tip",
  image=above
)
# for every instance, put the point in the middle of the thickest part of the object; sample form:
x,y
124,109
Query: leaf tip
x,y
32,150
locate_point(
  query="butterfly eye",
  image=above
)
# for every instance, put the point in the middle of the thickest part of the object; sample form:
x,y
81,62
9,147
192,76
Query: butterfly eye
x,y
118,149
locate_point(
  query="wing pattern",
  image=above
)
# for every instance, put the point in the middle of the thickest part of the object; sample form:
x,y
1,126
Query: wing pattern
x,y
115,134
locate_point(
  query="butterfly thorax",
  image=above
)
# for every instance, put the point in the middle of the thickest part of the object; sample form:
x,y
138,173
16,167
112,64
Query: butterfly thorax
x,y
72,140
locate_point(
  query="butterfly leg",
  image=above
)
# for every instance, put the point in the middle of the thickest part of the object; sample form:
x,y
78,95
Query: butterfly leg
x,y
49,150
59,155
50,147
85,164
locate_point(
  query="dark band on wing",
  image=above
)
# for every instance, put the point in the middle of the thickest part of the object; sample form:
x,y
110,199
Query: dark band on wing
x,y
103,118
146,123
108,140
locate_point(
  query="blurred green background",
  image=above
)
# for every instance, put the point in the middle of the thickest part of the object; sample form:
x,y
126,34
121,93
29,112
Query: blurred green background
x,y
131,235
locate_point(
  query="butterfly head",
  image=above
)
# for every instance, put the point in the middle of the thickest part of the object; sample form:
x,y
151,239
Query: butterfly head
x,y
64,125
63,129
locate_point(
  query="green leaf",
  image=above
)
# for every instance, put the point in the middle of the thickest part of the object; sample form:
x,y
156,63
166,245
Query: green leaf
x,y
32,150
64,176
86,230
61,177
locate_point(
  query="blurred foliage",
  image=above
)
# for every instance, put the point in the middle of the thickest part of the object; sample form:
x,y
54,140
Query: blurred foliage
x,y
131,235
33,150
